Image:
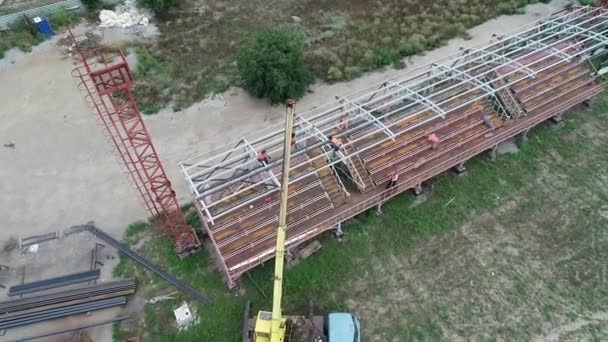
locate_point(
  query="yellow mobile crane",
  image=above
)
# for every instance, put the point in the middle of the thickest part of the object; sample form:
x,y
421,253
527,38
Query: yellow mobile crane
x,y
272,326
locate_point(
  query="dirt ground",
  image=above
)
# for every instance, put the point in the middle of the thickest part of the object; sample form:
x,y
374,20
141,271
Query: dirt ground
x,y
75,256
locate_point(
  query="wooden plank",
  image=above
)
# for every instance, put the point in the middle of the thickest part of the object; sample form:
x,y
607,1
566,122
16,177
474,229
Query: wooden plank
x,y
268,231
427,170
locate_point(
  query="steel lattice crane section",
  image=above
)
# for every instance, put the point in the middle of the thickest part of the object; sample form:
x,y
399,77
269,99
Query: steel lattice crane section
x,y
106,81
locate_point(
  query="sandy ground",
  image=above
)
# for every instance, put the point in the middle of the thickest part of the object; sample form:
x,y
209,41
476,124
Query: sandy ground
x,y
62,172
47,263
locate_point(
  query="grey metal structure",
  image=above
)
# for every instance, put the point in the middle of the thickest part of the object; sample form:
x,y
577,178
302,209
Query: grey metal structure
x,y
25,318
572,34
74,278
147,264
80,295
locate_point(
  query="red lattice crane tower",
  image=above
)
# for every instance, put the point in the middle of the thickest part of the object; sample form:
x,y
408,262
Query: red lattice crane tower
x,y
105,80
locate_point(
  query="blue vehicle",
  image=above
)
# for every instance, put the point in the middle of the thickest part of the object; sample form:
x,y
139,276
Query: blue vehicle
x,y
343,327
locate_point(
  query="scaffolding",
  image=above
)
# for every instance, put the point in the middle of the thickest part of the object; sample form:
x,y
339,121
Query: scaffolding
x,y
105,80
387,111
208,175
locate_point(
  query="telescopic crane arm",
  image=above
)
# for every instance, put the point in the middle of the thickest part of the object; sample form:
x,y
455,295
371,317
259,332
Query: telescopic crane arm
x,y
276,330
278,324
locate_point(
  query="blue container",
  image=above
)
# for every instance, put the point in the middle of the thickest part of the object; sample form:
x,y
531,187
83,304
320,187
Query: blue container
x,y
44,27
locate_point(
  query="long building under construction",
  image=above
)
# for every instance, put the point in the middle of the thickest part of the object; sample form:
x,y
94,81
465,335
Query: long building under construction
x,y
470,101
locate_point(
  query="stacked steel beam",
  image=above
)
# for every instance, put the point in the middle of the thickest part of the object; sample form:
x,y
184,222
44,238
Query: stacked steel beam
x,y
115,288
19,318
51,283
60,304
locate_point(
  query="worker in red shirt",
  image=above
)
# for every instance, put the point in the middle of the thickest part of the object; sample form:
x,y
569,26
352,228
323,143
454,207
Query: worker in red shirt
x,y
392,181
263,157
335,143
432,138
343,123
294,144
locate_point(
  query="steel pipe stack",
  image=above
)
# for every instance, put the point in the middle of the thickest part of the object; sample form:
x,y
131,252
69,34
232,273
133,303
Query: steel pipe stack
x,y
85,294
52,283
19,319
23,311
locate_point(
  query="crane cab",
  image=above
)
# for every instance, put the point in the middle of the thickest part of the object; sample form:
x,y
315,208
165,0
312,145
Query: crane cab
x,y
342,327
332,327
263,327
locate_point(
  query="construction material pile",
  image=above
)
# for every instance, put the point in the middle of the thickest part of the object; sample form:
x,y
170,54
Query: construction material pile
x,y
125,15
23,311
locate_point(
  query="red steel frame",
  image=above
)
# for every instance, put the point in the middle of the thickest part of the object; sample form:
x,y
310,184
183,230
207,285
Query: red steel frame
x,y
106,81
382,196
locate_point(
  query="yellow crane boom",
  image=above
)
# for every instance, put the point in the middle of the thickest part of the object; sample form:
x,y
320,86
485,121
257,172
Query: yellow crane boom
x,y
273,326
275,331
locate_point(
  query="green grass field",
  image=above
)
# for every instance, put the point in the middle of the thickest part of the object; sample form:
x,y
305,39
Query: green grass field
x,y
513,250
196,51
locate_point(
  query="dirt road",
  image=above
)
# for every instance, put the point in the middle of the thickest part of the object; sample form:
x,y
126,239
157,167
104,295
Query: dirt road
x,y
60,170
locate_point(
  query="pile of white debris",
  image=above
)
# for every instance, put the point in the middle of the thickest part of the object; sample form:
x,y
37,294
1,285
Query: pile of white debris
x,y
125,15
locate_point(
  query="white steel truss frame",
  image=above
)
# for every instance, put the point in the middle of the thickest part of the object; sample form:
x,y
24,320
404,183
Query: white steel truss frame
x,y
571,16
321,119
577,29
370,117
474,81
500,59
418,98
254,154
539,45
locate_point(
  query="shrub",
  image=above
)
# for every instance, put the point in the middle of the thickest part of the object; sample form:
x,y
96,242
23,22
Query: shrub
x,y
352,72
399,65
147,64
321,59
586,2
62,17
452,30
158,6
91,4
383,57
271,65
334,74
21,37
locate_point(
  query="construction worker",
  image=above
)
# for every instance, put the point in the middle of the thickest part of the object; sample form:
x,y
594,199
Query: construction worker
x,y
294,144
432,138
343,123
263,157
335,143
392,181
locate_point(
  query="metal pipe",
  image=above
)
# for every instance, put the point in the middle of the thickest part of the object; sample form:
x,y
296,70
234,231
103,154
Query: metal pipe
x,y
74,278
109,321
146,263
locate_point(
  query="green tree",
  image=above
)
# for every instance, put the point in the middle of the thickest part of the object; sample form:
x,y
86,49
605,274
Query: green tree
x,y
158,6
272,66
